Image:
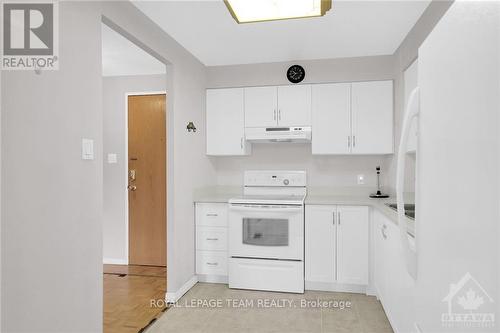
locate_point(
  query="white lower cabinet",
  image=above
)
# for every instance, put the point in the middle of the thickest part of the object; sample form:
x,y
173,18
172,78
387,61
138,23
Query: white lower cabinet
x,y
211,242
336,248
394,286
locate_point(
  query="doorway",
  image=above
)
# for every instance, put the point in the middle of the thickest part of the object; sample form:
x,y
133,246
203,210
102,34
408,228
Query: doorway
x,y
134,184
147,179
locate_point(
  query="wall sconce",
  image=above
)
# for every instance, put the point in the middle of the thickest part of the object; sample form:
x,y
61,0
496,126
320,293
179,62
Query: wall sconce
x,y
190,127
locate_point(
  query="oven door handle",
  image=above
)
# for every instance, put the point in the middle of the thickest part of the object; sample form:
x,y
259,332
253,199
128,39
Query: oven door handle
x,y
265,208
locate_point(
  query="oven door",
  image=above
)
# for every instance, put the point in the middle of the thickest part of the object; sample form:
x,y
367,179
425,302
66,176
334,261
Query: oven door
x,y
266,231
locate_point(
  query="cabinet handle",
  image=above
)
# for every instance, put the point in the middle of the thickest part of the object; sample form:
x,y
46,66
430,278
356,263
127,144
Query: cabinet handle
x,y
279,114
274,114
354,141
241,142
348,141
212,239
333,218
212,263
212,214
338,221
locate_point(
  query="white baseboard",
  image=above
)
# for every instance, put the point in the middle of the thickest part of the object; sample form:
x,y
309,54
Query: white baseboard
x,y
213,278
114,261
337,287
172,297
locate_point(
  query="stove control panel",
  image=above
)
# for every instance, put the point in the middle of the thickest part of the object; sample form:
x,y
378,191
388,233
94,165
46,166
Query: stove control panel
x,y
275,178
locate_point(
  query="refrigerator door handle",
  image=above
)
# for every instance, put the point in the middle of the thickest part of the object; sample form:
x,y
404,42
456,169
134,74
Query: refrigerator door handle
x,y
411,113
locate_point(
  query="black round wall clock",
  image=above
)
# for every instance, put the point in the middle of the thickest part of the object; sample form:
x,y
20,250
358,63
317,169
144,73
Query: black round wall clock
x,y
295,73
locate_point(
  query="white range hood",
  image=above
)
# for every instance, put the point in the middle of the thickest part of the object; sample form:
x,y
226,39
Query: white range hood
x,y
278,134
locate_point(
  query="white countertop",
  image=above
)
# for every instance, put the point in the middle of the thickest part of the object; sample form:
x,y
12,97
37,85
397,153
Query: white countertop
x,y
315,196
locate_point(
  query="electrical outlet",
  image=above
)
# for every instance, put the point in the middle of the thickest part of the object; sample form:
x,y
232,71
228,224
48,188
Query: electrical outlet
x,y
361,179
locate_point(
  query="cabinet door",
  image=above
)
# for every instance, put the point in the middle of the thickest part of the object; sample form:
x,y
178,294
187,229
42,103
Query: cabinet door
x,y
352,245
398,299
380,248
331,118
225,122
320,243
261,107
294,105
372,117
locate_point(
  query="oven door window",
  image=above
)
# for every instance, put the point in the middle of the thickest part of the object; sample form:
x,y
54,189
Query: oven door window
x,y
265,232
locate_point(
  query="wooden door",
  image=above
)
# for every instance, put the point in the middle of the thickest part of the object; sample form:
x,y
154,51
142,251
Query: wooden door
x,y
372,117
226,123
147,192
260,107
352,245
320,243
294,105
331,118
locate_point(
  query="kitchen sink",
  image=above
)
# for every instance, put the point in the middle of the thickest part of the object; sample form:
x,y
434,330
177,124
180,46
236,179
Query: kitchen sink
x,y
409,209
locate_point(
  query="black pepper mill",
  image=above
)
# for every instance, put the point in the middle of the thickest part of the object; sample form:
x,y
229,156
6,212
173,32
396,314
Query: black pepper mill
x,y
379,194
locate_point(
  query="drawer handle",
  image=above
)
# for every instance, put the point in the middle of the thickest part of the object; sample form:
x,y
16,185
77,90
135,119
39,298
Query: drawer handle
x,y
212,214
212,239
212,263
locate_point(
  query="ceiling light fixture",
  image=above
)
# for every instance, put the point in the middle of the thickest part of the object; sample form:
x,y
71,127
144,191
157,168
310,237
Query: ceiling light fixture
x,y
247,11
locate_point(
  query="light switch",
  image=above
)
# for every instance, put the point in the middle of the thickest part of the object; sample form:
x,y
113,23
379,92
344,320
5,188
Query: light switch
x,y
112,158
87,149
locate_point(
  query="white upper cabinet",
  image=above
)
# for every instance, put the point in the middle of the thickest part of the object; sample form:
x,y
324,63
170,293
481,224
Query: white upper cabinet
x,y
278,106
226,122
294,105
261,107
372,117
331,118
352,238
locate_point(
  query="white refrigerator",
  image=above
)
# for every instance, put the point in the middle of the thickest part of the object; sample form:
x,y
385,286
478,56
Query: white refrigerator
x,y
456,259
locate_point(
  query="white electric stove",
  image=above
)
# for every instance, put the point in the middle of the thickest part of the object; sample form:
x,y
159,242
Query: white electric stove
x,y
266,232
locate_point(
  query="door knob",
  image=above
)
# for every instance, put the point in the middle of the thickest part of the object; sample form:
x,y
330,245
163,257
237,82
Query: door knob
x,y
132,187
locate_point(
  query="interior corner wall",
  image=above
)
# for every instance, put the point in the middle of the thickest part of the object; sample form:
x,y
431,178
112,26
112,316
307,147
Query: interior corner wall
x,y
51,273
115,194
323,171
406,53
187,165
51,241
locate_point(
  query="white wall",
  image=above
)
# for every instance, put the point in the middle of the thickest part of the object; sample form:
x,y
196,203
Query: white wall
x,y
51,274
115,195
323,171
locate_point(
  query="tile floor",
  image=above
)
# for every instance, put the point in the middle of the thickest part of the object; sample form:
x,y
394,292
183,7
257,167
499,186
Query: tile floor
x,y
253,311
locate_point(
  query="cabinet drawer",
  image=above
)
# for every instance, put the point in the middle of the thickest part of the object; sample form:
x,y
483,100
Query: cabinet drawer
x,y
211,214
211,263
211,238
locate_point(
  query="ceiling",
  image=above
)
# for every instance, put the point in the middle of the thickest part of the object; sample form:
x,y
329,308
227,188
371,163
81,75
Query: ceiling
x,y
349,29
122,57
